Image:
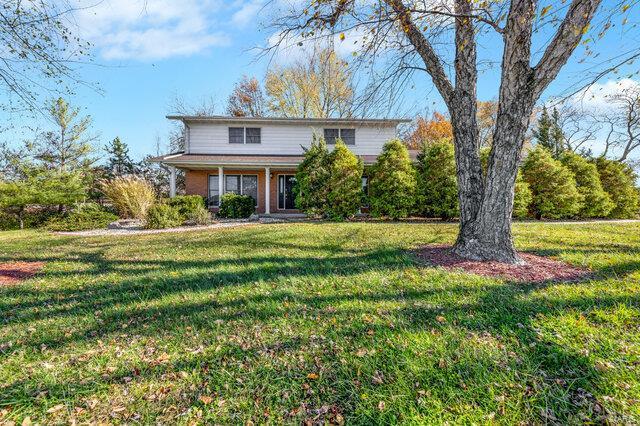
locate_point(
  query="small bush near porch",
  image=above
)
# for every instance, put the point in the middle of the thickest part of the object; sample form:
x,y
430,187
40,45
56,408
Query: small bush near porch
x,y
325,323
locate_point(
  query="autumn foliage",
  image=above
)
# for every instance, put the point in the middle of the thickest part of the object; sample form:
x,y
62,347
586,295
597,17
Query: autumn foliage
x,y
427,131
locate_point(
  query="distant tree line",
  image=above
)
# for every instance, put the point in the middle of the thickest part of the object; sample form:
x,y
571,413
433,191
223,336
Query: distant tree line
x,y
59,167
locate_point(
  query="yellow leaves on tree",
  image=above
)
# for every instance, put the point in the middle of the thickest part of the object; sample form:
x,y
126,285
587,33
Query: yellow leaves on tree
x,y
318,86
430,130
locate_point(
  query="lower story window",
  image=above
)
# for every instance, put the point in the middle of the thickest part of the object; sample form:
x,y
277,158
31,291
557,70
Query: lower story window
x,y
237,184
365,191
214,194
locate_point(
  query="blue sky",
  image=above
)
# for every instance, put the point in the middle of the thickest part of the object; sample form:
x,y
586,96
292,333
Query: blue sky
x,y
148,52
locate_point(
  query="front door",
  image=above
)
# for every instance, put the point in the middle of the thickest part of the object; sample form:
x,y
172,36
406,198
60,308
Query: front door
x,y
286,198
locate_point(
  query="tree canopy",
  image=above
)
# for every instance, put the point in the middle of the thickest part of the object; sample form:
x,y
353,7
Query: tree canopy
x,y
318,86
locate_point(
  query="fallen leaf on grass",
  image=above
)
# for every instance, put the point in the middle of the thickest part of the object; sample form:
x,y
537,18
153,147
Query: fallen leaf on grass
x,y
205,399
603,366
312,376
378,378
55,408
441,319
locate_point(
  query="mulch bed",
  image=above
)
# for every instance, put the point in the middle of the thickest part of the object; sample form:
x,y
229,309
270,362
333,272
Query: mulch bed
x,y
15,272
535,268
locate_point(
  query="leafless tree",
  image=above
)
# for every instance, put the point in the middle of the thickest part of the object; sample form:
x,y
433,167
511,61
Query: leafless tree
x,y
627,134
579,127
39,50
441,38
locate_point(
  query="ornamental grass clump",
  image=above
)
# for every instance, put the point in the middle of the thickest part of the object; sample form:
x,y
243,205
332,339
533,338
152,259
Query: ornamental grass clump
x,y
131,196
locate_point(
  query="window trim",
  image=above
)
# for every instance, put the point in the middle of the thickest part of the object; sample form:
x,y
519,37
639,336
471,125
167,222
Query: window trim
x,y
224,185
209,189
339,135
241,175
244,135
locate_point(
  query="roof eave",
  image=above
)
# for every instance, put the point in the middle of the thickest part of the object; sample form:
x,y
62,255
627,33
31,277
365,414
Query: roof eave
x,y
225,119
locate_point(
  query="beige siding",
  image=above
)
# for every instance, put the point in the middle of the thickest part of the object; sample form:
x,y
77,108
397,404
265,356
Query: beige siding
x,y
209,138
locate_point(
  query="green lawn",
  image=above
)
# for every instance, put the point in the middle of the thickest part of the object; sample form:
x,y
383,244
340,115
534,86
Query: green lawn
x,y
327,322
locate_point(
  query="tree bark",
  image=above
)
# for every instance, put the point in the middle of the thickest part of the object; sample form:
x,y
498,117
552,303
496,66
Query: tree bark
x,y
487,235
486,203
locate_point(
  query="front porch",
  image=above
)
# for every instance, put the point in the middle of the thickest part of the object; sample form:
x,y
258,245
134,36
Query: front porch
x,y
271,187
269,179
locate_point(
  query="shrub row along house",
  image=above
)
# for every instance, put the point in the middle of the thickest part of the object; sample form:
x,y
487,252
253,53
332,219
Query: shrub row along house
x,y
259,156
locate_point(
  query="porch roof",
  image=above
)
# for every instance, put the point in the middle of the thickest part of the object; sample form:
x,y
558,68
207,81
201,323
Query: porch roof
x,y
187,161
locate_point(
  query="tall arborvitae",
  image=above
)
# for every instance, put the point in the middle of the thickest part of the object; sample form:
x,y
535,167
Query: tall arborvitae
x,y
553,186
618,179
597,203
311,179
392,186
437,193
344,196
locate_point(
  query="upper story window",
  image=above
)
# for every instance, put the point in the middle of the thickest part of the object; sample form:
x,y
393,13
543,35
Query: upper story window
x,y
348,136
244,135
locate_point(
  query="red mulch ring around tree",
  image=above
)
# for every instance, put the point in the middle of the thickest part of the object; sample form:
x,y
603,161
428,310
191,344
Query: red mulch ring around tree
x,y
535,269
14,272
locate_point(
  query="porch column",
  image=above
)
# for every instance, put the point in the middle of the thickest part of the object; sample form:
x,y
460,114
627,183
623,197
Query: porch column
x,y
267,190
220,184
172,182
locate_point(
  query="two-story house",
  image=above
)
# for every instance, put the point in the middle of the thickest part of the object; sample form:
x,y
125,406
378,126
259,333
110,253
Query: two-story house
x,y
259,156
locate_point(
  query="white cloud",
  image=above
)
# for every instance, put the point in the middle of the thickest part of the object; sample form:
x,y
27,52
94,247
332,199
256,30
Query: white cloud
x,y
598,96
247,13
151,29
291,48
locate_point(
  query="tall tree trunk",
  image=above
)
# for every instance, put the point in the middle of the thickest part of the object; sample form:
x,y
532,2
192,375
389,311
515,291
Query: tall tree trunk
x,y
487,236
469,169
463,110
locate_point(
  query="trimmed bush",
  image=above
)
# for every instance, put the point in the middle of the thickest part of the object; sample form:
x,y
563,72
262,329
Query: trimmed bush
x,y
437,190
311,179
555,195
160,216
234,206
344,186
392,186
597,203
187,205
618,181
522,197
82,217
131,196
198,216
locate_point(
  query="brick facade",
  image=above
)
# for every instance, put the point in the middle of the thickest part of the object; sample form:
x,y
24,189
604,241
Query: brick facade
x,y
197,183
